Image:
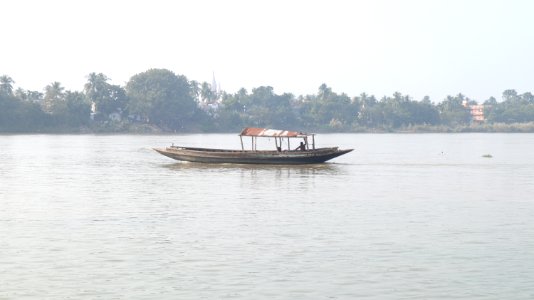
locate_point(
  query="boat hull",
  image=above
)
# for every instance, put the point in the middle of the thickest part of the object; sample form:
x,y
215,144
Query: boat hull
x,y
205,155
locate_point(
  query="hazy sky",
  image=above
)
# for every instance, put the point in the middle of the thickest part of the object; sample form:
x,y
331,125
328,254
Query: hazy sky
x,y
427,47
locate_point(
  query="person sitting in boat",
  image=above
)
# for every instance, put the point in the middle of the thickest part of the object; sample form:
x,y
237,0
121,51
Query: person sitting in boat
x,y
302,147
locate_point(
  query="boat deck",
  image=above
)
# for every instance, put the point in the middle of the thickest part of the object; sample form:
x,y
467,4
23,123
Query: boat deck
x,y
209,155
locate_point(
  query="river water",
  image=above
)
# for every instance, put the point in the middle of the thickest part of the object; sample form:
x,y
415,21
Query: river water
x,y
404,216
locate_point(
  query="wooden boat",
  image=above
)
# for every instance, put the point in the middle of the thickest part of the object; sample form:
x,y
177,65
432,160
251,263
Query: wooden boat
x,y
305,153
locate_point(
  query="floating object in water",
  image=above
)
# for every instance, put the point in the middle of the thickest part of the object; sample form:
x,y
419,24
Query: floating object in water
x,y
487,156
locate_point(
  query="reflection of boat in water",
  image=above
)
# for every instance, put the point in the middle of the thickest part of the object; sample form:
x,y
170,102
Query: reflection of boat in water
x,y
305,153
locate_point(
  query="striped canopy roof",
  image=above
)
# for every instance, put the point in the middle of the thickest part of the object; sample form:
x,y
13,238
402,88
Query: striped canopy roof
x,y
264,132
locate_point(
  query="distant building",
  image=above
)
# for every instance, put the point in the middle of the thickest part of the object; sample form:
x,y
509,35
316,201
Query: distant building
x,y
115,116
97,115
476,111
214,86
212,103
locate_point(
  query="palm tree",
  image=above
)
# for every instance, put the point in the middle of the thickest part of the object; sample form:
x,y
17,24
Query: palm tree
x,y
206,92
21,94
35,96
195,89
97,89
53,94
6,85
324,92
95,85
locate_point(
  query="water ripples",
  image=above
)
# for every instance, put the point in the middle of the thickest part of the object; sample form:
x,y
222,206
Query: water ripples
x,y
106,217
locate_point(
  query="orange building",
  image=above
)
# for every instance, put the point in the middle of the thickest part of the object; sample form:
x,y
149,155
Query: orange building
x,y
476,111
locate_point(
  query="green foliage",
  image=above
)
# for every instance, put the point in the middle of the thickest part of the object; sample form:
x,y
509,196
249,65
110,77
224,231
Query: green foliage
x,y
160,97
453,112
54,96
327,110
73,111
262,108
395,112
514,109
160,101
6,85
206,93
107,98
19,116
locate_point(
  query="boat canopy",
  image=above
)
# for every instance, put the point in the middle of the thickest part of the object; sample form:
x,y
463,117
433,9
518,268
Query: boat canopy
x,y
264,132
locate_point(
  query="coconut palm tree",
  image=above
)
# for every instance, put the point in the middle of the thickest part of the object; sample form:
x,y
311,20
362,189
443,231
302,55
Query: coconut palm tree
x,y
206,92
96,85
53,94
6,85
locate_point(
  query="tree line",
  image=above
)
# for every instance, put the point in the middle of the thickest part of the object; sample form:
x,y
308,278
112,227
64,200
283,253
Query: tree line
x,y
159,100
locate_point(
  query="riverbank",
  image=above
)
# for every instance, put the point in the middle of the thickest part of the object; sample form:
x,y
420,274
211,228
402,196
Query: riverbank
x,y
480,128
137,128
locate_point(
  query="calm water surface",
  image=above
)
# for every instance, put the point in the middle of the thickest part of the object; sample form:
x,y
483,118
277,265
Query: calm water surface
x,y
402,217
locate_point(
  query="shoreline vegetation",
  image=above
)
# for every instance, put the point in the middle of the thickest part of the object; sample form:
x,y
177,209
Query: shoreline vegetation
x,y
145,129
158,101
